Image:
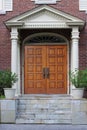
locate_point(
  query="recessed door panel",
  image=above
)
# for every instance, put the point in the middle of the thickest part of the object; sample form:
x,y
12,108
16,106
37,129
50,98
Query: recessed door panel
x,y
34,64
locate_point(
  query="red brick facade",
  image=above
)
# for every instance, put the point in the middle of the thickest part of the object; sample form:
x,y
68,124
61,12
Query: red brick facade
x,y
21,6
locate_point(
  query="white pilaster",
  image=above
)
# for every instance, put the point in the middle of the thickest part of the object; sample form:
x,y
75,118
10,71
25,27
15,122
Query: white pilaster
x,y
14,53
75,49
18,90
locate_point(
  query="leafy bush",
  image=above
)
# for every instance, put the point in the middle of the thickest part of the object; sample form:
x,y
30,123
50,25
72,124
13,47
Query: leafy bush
x,y
7,79
79,78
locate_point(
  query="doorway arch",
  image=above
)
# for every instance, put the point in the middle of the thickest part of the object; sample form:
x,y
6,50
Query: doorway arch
x,y
46,39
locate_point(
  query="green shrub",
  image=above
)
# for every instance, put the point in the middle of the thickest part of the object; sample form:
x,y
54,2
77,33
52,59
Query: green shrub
x,y
7,79
79,78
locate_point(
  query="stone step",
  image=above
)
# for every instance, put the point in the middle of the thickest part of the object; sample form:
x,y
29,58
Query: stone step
x,y
39,121
45,102
43,96
44,109
45,116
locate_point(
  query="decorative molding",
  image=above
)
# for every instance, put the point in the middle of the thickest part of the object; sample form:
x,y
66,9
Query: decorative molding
x,y
45,1
14,33
46,34
45,17
75,33
14,24
45,25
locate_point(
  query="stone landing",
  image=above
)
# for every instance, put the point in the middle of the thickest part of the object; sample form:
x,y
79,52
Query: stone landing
x,y
51,109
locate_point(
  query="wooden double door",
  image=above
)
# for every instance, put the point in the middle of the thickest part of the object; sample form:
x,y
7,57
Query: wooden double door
x,y
45,70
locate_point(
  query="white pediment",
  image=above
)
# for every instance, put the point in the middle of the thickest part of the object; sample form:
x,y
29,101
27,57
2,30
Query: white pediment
x,y
44,16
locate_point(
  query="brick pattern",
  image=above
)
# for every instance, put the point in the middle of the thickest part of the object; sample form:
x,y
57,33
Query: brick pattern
x,y
21,6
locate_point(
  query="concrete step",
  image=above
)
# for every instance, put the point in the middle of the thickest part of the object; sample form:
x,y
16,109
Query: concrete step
x,y
45,116
44,109
26,121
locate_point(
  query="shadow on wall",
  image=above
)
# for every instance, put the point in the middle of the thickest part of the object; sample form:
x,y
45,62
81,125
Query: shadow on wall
x,y
85,93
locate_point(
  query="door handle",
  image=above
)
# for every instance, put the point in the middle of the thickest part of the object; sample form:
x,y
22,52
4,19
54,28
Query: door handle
x,y
46,72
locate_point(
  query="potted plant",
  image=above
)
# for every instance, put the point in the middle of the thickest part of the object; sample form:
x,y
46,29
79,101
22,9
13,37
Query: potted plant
x,y
78,79
7,79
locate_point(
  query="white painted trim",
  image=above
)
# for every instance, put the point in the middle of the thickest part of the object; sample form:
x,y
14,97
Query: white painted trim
x,y
44,25
2,12
8,5
56,0
45,1
22,68
68,21
68,69
83,5
19,80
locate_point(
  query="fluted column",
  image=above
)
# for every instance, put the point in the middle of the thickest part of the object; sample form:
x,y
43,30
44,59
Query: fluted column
x,y
75,49
14,53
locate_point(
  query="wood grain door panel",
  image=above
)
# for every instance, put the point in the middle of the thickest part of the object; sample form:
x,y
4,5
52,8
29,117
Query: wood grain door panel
x,y
54,58
34,64
57,64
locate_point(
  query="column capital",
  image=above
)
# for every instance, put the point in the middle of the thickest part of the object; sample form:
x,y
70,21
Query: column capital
x,y
75,32
14,33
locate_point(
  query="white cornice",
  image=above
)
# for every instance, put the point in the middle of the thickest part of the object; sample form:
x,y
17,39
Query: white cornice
x,y
79,23
11,24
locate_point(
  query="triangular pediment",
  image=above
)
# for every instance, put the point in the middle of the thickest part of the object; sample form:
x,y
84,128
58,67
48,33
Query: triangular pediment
x,y
44,15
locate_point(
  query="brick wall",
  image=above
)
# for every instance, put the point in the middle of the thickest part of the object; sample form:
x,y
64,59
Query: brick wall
x,y
83,47
20,6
